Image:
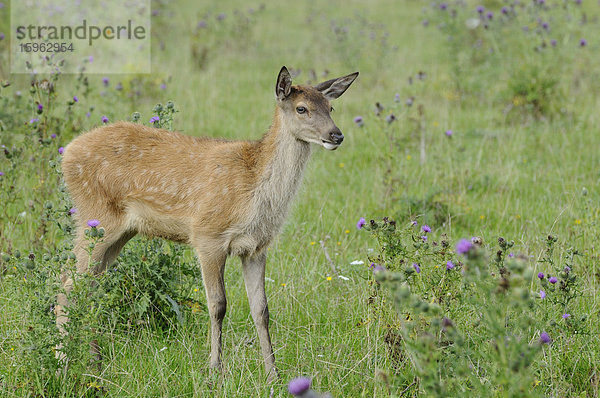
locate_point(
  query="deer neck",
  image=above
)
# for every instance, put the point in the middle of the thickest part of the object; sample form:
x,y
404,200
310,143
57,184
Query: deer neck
x,y
283,159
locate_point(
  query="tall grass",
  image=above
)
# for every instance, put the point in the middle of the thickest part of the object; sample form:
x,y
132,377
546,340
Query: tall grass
x,y
521,163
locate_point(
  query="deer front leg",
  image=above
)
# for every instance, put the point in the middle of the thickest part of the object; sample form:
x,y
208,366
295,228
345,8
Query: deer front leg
x,y
254,278
213,268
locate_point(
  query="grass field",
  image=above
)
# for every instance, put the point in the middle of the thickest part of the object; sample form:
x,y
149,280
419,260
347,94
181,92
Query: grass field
x,y
495,133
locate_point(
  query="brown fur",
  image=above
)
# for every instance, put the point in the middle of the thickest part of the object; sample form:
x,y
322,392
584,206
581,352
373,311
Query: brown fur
x,y
222,197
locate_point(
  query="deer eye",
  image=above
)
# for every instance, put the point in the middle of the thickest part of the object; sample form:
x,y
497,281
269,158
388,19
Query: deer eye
x,y
301,109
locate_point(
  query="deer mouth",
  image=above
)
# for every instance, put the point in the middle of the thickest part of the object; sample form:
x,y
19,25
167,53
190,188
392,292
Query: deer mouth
x,y
330,146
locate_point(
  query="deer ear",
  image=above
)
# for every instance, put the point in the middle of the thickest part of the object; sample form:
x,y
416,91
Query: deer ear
x,y
333,88
284,84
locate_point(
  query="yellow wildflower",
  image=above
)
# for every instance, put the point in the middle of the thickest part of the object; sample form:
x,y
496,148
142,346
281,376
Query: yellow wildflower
x,y
196,308
518,101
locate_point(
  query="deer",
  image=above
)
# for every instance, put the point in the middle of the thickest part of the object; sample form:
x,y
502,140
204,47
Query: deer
x,y
224,198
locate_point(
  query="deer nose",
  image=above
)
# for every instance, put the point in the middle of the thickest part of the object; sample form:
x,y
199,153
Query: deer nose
x,y
336,136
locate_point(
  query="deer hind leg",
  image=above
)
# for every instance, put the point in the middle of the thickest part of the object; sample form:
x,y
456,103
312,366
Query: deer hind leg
x,y
213,268
103,254
253,268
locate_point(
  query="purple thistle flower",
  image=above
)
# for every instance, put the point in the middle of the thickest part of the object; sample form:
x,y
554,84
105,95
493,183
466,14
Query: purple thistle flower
x,y
390,118
552,279
490,15
34,120
504,10
40,107
480,9
1,173
567,270
221,16
542,294
154,119
546,26
61,150
201,24
75,98
417,268
424,237
378,268
397,97
88,114
53,136
448,133
463,246
578,2
426,228
361,223
2,36
72,210
553,42
545,338
299,386
582,42
450,265
541,275
566,316
425,22
359,121
511,255
105,81
93,223
443,6
541,2
163,86
104,119
91,59
414,223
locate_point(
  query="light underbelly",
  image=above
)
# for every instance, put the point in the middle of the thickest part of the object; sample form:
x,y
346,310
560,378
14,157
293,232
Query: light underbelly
x,y
152,222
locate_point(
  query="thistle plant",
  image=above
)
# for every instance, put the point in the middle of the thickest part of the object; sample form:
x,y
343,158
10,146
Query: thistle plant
x,y
466,322
163,115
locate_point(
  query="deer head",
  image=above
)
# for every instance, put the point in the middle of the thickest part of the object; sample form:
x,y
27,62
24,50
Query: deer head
x,y
306,110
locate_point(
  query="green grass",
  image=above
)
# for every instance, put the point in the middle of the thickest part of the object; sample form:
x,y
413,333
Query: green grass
x,y
501,174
